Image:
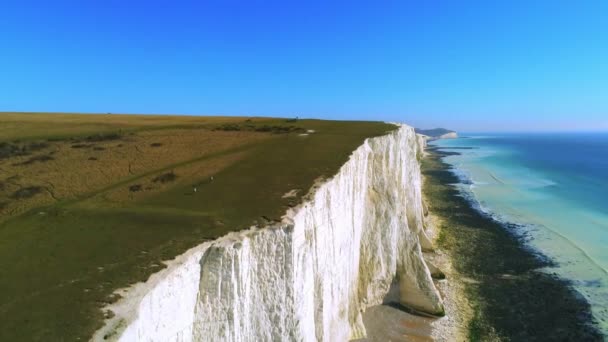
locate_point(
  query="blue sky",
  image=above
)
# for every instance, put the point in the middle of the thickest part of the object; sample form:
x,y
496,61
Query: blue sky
x,y
467,65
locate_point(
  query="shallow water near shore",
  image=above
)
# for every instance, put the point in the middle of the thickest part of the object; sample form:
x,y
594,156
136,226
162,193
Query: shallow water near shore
x,y
556,187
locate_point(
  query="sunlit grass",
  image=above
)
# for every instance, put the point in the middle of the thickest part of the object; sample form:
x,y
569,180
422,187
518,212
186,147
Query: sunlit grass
x,y
117,198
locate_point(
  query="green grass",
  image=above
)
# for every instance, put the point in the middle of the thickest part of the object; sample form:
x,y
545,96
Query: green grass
x,y
511,299
60,264
254,187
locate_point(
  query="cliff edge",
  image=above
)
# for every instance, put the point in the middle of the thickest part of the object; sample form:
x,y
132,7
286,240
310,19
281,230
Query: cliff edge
x,y
307,278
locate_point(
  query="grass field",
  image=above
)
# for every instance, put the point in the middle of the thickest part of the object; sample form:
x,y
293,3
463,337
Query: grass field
x,y
93,203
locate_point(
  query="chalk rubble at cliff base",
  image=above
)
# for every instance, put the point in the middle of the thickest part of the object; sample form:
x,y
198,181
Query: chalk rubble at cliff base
x,y
307,278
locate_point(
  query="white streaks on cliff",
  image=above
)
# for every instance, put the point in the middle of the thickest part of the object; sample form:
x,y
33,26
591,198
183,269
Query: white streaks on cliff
x,y
308,278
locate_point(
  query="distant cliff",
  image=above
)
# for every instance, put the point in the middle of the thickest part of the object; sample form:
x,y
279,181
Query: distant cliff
x,y
438,133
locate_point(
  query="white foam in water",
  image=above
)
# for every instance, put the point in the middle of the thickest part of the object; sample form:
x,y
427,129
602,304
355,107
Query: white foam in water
x,y
554,226
306,279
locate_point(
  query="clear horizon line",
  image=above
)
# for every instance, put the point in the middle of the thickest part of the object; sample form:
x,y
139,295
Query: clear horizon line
x,y
489,131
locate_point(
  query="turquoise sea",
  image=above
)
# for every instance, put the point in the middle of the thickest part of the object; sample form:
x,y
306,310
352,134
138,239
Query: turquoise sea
x,y
555,188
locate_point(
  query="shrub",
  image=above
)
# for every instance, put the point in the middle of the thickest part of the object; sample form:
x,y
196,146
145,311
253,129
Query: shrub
x,y
8,150
103,137
55,139
264,128
41,158
228,127
165,177
27,192
279,129
37,146
135,188
80,146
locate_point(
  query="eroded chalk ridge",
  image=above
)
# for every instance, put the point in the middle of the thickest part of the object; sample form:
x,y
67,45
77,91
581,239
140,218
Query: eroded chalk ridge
x,y
308,278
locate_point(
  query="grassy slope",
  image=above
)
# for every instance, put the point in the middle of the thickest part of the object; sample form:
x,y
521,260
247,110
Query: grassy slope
x,y
59,264
59,125
512,300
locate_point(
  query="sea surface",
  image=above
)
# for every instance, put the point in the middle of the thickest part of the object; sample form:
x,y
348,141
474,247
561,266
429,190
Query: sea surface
x,y
555,187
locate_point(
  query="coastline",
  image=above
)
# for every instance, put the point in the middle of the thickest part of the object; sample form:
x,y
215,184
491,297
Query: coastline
x,y
452,327
316,238
388,322
500,274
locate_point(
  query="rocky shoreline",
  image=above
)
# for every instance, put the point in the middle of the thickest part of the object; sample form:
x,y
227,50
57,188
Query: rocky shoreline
x,y
510,297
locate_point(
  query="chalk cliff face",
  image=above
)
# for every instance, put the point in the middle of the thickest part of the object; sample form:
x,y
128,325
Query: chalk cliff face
x,y
437,133
451,135
308,278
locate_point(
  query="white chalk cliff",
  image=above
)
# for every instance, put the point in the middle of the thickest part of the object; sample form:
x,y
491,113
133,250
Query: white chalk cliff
x,y
308,278
451,135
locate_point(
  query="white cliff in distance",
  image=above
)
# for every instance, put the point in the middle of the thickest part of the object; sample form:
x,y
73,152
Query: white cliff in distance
x,y
451,135
308,278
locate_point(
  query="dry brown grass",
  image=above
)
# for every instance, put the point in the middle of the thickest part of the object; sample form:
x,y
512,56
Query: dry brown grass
x,y
37,125
69,169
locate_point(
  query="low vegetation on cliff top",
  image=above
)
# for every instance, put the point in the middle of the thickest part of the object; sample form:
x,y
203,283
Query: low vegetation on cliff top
x,y
92,203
